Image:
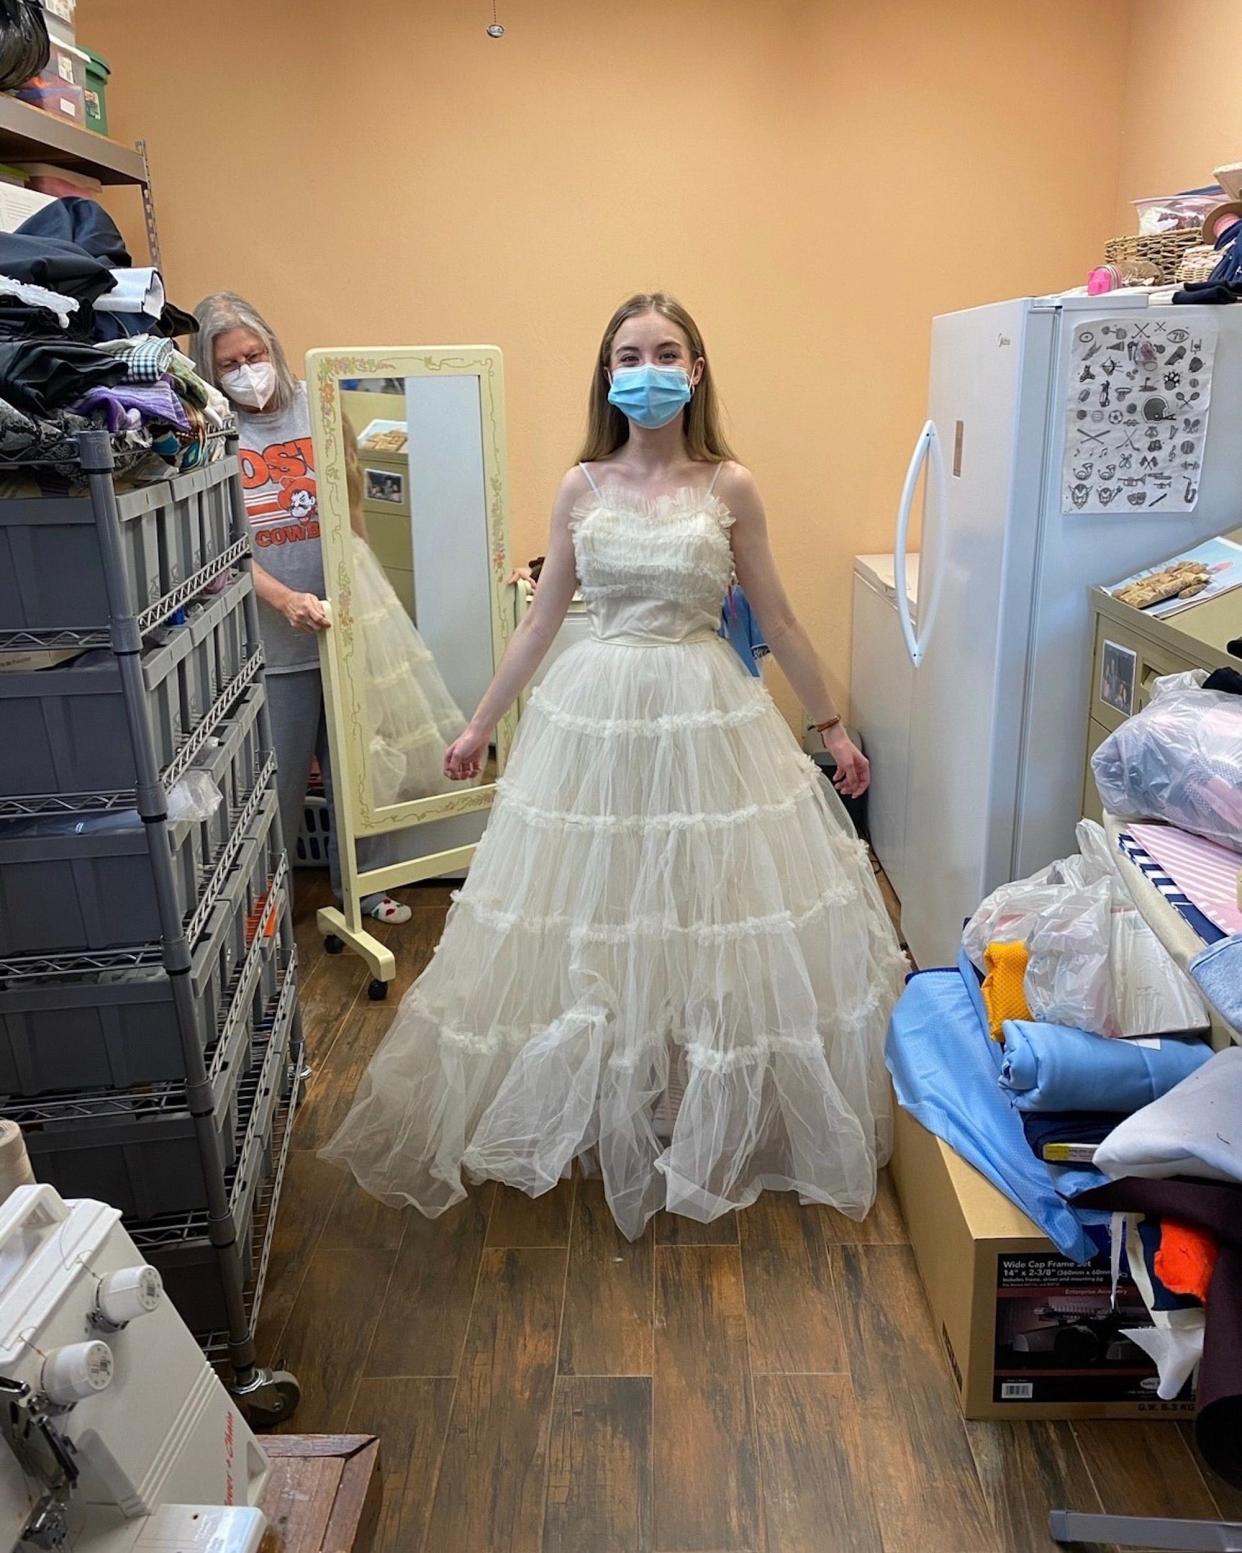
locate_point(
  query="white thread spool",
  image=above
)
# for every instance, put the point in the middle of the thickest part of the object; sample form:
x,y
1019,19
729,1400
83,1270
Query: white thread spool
x,y
15,1168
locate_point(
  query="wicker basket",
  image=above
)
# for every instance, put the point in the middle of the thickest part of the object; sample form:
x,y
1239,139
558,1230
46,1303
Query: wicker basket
x,y
1198,263
1166,251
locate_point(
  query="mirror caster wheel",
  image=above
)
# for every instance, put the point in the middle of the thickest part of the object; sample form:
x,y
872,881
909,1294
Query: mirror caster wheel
x,y
377,991
333,945
270,1398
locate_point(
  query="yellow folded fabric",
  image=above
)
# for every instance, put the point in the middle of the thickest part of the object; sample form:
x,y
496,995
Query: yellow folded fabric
x,y
1004,987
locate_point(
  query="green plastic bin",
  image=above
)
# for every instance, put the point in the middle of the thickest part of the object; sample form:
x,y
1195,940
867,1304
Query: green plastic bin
x,y
97,72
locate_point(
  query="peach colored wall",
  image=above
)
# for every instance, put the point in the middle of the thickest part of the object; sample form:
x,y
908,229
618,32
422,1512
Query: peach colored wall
x,y
815,180
1183,110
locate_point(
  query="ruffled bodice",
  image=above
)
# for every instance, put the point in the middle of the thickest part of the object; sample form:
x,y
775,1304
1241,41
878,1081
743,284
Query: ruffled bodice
x,y
652,570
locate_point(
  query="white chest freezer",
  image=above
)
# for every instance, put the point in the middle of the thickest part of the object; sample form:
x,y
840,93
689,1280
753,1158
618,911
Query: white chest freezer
x,y
881,688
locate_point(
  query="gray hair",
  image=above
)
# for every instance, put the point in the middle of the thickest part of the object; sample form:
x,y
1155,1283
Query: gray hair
x,y
223,311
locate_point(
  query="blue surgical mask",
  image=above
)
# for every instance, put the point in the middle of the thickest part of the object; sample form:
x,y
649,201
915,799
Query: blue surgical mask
x,y
650,396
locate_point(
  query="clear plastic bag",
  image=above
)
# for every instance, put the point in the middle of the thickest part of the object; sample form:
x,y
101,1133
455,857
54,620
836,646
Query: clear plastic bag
x,y
1094,963
195,797
1179,760
1176,212
1069,979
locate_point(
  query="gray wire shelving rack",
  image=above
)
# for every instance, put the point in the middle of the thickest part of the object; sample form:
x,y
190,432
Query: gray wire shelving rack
x,y
235,1042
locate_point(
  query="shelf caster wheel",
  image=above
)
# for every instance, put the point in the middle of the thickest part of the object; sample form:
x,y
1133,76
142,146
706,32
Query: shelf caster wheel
x,y
377,991
270,1398
333,945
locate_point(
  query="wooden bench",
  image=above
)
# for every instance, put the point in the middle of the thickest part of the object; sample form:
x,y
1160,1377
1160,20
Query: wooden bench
x,y
324,1493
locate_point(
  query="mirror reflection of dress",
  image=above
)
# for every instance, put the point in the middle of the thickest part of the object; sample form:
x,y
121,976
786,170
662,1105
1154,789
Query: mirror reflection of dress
x,y
413,717
670,961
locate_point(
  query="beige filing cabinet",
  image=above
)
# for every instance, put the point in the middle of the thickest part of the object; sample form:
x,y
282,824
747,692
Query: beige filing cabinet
x,y
385,490
386,507
1193,639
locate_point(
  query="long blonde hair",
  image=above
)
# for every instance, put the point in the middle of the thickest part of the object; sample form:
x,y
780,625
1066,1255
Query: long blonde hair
x,y
607,427
353,466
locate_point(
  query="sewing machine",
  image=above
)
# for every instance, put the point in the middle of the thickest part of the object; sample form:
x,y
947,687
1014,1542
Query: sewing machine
x,y
116,1436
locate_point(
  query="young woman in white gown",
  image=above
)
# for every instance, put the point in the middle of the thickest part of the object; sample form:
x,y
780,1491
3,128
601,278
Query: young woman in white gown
x,y
668,900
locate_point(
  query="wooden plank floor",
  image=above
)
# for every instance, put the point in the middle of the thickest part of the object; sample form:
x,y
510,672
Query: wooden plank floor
x,y
768,1384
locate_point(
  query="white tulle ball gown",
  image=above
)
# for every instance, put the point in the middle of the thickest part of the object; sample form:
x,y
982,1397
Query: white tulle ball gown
x,y
670,960
411,714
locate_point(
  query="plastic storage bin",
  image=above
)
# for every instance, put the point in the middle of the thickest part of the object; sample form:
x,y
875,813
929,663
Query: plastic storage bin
x,y
214,660
112,1031
67,65
229,763
183,1254
51,572
137,1153
183,525
233,944
57,98
216,519
189,1264
67,886
1176,212
257,861
245,766
196,508
65,729
61,19
269,979
231,644
196,677
180,536
98,73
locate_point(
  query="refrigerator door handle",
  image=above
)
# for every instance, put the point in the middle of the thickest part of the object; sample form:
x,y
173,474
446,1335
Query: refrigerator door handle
x,y
928,445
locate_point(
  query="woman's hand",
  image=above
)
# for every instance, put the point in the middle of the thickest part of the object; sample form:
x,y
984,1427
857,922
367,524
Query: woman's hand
x,y
465,756
853,773
304,612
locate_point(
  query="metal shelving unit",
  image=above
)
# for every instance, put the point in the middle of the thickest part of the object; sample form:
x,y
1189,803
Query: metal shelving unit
x,y
201,1020
27,134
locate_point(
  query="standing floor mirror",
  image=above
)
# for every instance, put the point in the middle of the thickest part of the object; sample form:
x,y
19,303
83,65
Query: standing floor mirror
x,y
410,460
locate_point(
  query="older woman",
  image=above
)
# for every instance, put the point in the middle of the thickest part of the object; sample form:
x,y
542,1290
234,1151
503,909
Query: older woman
x,y
236,350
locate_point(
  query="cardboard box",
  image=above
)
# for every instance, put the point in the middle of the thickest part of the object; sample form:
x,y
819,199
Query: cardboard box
x,y
24,660
1026,1332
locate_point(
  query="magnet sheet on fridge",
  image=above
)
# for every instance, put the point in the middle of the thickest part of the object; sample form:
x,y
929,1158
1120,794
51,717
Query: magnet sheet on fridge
x,y
1136,411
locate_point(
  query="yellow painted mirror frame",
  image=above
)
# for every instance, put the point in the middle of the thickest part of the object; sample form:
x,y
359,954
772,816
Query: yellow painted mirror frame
x,y
341,657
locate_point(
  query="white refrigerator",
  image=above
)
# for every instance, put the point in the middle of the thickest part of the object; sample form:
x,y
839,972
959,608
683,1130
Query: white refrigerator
x,y
881,692
1000,648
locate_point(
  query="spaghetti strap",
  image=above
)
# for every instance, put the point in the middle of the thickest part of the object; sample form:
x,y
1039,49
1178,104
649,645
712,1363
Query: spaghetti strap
x,y
712,487
590,477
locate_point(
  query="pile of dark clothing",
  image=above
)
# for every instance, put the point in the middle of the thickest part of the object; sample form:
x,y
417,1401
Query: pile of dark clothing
x,y
87,343
1224,285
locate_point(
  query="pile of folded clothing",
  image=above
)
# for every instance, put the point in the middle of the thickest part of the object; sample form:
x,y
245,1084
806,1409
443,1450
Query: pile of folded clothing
x,y
1122,1132
1174,1170
87,343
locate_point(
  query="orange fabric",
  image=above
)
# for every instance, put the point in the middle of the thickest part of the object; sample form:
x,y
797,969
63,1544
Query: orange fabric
x,y
1186,1260
1004,987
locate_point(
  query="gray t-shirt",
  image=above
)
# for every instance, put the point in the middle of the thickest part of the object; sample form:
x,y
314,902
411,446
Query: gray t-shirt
x,y
278,477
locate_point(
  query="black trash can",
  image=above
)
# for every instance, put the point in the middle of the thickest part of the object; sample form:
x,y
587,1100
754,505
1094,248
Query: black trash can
x,y
856,808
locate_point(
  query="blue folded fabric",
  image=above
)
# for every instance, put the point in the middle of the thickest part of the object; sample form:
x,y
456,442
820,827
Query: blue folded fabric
x,y
944,1070
1053,1068
1218,972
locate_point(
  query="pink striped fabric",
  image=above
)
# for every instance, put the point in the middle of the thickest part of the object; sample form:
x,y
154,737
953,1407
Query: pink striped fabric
x,y
1207,873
